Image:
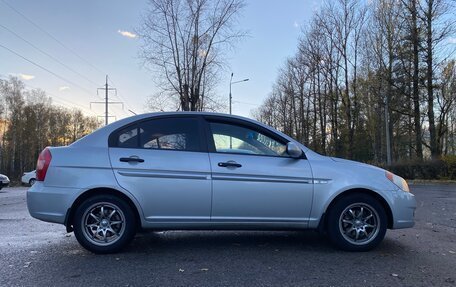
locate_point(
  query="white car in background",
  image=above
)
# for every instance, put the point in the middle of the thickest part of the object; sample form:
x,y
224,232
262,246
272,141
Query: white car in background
x,y
29,177
4,181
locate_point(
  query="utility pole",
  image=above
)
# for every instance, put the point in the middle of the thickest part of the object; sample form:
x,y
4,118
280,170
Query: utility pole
x,y
231,79
387,132
106,101
232,83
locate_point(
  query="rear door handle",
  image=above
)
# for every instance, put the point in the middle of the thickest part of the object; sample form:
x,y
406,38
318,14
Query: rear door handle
x,y
131,159
229,164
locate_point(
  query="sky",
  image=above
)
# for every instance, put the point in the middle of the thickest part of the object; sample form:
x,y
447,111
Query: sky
x,y
77,43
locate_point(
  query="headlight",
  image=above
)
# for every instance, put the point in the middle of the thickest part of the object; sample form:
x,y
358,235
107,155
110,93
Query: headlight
x,y
398,181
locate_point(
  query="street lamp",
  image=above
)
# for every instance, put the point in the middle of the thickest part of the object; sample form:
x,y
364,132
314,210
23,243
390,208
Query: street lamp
x,y
232,83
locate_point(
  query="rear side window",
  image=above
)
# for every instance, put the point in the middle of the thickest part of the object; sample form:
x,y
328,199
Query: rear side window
x,y
165,134
128,138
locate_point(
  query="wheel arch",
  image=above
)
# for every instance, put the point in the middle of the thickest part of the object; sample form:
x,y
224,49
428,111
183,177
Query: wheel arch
x,y
99,191
389,214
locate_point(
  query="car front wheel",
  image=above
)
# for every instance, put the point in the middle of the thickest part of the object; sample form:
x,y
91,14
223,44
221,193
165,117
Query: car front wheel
x,y
104,224
357,222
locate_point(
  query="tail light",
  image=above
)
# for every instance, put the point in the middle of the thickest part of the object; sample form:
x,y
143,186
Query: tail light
x,y
42,164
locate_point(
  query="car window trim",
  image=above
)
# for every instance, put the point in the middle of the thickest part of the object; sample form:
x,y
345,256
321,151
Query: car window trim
x,y
238,122
203,147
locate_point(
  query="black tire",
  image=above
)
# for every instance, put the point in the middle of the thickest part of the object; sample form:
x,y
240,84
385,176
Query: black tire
x,y
121,233
340,219
32,181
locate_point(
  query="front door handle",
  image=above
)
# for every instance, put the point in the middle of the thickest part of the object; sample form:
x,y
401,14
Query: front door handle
x,y
131,159
229,164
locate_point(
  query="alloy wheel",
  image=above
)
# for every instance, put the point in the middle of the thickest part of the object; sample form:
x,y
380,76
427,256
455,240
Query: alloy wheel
x,y
359,223
103,223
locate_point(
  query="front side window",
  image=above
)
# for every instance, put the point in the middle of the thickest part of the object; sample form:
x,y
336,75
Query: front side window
x,y
166,134
229,138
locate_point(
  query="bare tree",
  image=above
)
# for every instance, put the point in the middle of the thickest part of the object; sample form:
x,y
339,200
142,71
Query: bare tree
x,y
383,40
347,18
361,76
415,39
446,99
29,122
437,30
183,41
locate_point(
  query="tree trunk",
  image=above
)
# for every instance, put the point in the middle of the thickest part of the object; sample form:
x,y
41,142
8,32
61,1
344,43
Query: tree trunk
x,y
435,151
416,95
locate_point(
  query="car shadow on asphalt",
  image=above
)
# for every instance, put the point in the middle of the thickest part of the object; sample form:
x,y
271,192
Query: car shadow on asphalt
x,y
174,240
212,244
251,241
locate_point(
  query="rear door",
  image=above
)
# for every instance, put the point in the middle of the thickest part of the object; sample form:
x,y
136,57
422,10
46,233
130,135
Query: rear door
x,y
163,162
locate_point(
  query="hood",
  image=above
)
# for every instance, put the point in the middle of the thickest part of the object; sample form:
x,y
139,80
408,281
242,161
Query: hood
x,y
356,163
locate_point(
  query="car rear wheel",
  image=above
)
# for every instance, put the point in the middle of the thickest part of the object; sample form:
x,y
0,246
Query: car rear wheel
x,y
32,181
104,224
357,222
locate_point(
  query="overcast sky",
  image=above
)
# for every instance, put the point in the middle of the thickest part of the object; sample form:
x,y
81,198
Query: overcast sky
x,y
81,41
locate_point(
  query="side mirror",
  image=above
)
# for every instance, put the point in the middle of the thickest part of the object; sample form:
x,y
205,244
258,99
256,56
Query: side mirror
x,y
294,150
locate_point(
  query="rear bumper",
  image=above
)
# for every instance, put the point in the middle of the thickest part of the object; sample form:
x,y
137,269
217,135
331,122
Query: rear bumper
x,y
50,203
403,209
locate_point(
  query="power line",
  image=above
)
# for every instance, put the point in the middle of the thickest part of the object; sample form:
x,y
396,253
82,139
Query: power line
x,y
122,99
130,108
52,37
47,54
61,44
106,100
56,40
73,105
122,110
46,69
247,103
55,97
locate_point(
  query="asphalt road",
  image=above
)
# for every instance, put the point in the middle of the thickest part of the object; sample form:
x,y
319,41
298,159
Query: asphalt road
x,y
34,253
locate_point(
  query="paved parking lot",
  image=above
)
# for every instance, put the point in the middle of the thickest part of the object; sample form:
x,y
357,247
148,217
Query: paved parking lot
x,y
34,253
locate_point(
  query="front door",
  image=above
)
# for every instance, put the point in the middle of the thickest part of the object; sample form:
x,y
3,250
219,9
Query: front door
x,y
163,163
253,177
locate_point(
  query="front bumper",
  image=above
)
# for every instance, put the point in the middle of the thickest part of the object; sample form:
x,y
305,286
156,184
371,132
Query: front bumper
x,y
403,209
50,203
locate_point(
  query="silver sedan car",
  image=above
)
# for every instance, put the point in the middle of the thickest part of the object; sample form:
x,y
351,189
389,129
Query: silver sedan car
x,y
186,170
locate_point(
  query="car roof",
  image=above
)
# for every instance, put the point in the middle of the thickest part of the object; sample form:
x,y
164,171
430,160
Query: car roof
x,y
99,138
